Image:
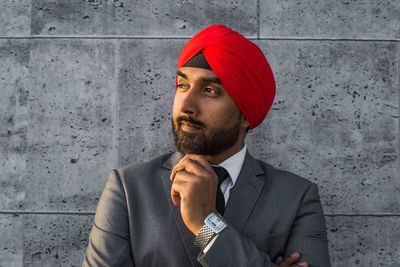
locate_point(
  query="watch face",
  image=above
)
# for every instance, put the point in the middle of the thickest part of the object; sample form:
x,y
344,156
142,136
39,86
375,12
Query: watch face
x,y
216,223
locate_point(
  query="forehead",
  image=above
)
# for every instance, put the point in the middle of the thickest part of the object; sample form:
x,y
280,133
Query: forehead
x,y
193,73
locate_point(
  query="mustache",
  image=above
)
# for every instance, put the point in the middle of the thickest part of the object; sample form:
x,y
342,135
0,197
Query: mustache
x,y
190,120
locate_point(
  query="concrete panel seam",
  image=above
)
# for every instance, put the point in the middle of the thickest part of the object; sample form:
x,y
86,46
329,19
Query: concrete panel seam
x,y
258,19
330,39
50,212
398,84
16,212
117,108
362,214
96,37
188,37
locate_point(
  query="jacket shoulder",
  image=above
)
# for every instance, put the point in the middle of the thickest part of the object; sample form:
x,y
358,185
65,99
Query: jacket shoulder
x,y
148,166
279,177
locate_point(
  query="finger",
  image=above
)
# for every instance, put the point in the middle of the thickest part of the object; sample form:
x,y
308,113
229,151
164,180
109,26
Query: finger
x,y
176,189
303,264
186,163
202,161
279,260
178,186
176,197
191,166
187,177
291,259
177,168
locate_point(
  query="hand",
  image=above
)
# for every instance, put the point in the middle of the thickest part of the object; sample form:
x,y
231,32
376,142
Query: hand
x,y
289,261
194,187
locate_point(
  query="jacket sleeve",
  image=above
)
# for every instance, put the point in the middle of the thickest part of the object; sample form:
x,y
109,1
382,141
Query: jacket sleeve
x,y
307,236
109,239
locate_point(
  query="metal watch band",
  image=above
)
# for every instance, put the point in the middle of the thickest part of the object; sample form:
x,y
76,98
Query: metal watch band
x,y
203,237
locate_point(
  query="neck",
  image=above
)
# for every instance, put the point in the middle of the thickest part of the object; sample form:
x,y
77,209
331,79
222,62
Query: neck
x,y
217,159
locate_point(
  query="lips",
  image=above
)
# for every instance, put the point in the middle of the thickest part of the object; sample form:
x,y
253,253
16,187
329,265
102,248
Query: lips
x,y
189,124
189,127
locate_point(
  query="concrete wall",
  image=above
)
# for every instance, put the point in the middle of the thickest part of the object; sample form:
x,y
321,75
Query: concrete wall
x,y
87,85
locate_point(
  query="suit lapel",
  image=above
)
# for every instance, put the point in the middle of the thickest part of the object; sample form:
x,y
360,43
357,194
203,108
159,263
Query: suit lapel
x,y
244,194
186,235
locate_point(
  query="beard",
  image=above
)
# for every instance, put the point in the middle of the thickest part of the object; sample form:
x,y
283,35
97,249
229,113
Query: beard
x,y
215,142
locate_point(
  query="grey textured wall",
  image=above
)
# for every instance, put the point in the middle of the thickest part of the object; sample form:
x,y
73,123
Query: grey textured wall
x,y
87,85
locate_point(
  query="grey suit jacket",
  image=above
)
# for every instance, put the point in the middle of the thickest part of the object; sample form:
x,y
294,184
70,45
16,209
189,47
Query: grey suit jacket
x,y
269,213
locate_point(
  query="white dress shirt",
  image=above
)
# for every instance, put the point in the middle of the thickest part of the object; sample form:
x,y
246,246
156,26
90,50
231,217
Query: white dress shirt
x,y
233,165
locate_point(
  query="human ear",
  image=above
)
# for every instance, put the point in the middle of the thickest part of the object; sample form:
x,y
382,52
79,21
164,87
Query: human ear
x,y
244,123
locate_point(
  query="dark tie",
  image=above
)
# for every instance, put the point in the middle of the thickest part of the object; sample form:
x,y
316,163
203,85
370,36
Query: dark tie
x,y
220,201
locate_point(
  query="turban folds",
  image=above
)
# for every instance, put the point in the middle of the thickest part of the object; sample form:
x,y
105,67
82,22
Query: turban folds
x,y
240,66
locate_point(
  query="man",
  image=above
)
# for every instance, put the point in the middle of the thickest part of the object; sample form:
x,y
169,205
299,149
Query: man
x,y
181,209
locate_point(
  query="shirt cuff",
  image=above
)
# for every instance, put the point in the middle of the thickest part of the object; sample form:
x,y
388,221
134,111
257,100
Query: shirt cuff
x,y
209,245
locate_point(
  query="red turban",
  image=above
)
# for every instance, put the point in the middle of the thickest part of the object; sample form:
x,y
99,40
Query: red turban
x,y
240,66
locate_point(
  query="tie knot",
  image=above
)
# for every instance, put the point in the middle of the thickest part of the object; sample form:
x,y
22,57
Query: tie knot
x,y
221,173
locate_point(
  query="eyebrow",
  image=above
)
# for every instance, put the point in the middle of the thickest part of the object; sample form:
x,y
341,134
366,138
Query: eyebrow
x,y
202,79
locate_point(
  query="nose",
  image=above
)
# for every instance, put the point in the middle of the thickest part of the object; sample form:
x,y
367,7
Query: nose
x,y
189,102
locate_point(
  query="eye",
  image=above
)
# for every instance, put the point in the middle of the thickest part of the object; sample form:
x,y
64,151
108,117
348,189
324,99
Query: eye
x,y
182,86
211,91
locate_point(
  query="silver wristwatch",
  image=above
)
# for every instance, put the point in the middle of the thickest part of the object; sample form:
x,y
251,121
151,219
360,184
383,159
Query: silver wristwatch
x,y
213,224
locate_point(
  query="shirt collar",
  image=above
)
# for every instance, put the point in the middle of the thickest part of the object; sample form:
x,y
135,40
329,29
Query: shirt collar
x,y
234,164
